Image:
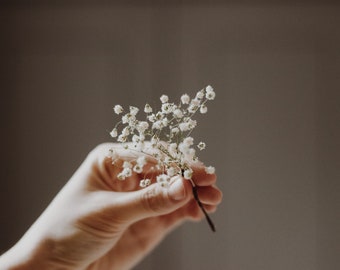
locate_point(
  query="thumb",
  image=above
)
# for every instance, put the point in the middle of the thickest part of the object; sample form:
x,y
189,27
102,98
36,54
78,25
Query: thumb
x,y
156,200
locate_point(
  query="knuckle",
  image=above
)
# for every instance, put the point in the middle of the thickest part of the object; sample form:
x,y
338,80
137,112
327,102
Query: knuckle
x,y
152,200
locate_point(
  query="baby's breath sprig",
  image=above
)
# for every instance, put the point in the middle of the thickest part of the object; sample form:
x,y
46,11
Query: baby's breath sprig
x,y
164,137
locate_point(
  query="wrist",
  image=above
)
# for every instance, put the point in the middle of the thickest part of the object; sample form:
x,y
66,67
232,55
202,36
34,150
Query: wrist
x,y
32,253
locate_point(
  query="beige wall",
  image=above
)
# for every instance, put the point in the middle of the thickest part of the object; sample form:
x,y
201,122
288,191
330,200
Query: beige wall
x,y
273,132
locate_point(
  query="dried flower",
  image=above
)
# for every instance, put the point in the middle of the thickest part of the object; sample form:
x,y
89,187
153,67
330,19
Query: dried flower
x,y
210,94
144,183
133,110
168,131
164,98
114,133
210,170
187,174
203,109
118,109
147,108
163,180
201,146
185,99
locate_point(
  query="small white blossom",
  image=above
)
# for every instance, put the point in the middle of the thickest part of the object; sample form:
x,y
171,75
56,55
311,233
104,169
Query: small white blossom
x,y
127,164
165,122
142,126
203,109
209,88
210,94
118,109
210,170
121,176
137,168
164,98
195,102
152,118
184,126
163,180
192,108
175,130
114,133
122,138
187,174
188,141
172,171
147,108
128,118
159,115
185,99
201,146
147,182
183,148
166,108
192,123
144,183
200,94
127,172
134,110
126,131
172,148
157,125
178,113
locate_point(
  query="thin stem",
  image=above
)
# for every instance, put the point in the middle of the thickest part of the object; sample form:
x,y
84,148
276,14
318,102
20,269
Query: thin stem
x,y
207,217
200,204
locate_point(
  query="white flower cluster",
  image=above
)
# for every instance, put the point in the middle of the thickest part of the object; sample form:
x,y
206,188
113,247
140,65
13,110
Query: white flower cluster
x,y
168,133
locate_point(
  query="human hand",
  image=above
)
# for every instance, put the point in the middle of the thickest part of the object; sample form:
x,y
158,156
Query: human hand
x,y
99,222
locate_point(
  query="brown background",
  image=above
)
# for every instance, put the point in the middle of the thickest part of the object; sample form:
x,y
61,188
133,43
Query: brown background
x,y
272,133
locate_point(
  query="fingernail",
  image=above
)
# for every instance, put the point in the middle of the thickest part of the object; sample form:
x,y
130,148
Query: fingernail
x,y
177,189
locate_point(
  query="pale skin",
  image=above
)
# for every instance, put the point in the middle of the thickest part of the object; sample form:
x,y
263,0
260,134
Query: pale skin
x,y
99,222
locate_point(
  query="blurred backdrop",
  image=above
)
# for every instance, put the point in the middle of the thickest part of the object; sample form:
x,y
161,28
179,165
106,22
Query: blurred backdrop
x,y
273,132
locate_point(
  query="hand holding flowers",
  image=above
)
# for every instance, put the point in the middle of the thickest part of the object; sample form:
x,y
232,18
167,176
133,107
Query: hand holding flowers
x,y
110,216
168,130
